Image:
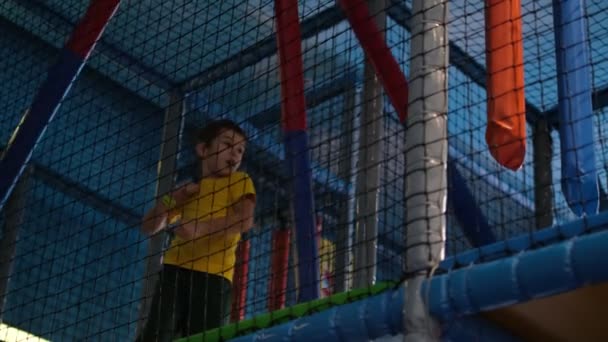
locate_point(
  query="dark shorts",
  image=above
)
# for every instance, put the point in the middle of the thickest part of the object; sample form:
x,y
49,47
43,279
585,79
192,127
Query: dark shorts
x,y
186,302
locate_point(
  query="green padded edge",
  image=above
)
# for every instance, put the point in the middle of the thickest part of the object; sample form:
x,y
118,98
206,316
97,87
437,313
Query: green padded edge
x,y
277,317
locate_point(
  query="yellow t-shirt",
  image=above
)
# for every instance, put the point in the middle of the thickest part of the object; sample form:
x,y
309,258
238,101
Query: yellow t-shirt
x,y
213,254
327,251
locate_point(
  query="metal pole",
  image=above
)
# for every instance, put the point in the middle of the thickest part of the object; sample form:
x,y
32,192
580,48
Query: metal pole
x,y
426,160
344,230
14,211
264,48
543,175
370,157
166,175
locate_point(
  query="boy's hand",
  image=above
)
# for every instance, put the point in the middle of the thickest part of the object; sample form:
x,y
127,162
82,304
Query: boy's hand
x,y
184,193
186,230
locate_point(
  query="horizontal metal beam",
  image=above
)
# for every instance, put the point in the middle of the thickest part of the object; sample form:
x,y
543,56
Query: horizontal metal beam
x,y
313,97
57,19
137,80
265,48
599,98
87,196
399,12
27,35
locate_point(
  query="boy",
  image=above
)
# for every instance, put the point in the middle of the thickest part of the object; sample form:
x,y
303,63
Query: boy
x,y
207,219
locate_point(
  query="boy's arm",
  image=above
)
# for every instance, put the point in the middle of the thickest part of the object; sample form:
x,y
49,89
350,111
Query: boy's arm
x,y
156,218
239,220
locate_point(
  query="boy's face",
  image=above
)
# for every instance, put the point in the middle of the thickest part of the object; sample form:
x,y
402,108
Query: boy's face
x,y
223,155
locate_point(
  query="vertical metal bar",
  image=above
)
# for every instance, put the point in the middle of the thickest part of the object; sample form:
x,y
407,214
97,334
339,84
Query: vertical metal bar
x,y
426,149
370,162
14,211
368,23
277,286
346,165
241,276
166,176
543,175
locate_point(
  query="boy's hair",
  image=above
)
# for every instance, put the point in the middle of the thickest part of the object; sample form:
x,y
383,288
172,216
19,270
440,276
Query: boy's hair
x,y
214,128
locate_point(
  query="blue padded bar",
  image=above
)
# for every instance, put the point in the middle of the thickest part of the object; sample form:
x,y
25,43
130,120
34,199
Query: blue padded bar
x,y
314,329
468,329
557,276
537,273
589,259
370,318
298,159
582,260
579,178
520,243
565,266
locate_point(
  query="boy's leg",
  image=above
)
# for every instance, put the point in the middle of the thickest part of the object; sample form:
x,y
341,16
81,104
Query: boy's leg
x,y
163,316
210,299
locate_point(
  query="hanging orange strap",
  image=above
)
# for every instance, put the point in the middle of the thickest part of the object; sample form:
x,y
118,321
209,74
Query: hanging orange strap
x,y
506,130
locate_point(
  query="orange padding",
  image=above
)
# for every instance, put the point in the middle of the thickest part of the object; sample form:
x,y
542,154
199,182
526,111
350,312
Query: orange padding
x,y
506,130
579,315
239,291
277,286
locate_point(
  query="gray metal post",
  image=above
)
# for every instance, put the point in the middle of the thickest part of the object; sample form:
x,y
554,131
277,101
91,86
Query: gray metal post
x,y
346,166
166,176
426,160
14,210
370,162
543,175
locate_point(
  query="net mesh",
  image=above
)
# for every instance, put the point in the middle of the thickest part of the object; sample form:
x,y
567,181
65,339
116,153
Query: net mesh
x,y
75,263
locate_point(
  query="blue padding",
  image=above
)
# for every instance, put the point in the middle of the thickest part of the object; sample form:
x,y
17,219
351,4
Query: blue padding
x,y
464,258
315,328
579,179
474,224
274,334
363,320
556,277
377,311
298,160
588,259
528,275
495,251
456,289
491,285
469,329
347,314
523,242
46,103
533,274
